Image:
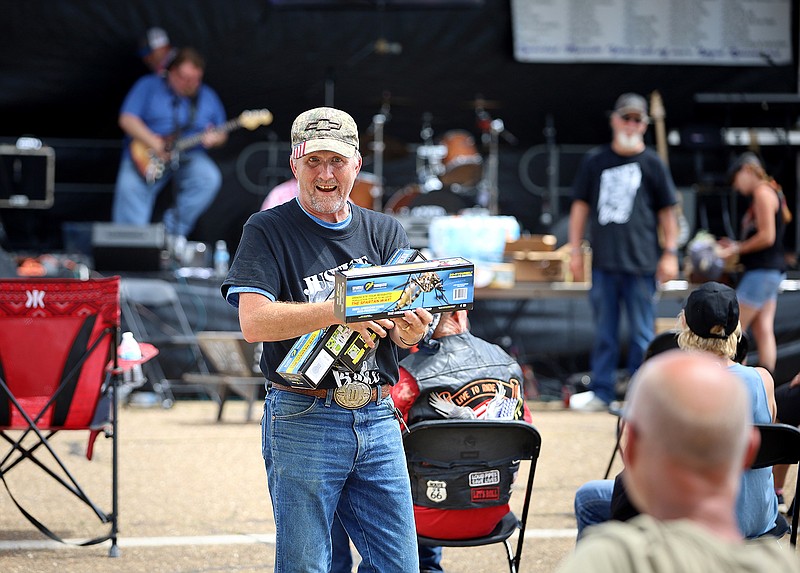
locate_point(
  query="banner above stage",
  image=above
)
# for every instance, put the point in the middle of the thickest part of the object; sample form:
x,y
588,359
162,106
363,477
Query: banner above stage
x,y
680,32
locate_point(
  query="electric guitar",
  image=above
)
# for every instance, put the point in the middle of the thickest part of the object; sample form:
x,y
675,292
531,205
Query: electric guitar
x,y
152,168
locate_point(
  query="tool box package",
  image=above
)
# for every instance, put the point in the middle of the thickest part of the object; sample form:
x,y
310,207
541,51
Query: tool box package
x,y
386,291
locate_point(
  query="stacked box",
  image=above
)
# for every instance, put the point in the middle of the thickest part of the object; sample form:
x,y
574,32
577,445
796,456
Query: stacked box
x,y
355,352
531,243
401,256
387,291
313,355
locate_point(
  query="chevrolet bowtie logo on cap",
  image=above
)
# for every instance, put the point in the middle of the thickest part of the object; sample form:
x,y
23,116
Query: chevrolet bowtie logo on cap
x,y
324,125
324,129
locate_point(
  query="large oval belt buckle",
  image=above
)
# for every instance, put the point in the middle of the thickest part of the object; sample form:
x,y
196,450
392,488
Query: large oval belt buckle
x,y
352,395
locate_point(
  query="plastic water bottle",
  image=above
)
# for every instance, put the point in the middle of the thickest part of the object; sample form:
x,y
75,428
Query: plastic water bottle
x,y
129,350
221,258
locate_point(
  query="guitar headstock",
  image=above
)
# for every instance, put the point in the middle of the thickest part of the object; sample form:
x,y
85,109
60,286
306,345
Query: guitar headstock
x,y
657,111
252,119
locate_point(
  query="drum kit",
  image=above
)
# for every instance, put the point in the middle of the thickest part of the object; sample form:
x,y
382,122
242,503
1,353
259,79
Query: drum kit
x,y
451,173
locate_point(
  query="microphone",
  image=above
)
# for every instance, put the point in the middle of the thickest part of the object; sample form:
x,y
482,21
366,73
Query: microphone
x,y
384,47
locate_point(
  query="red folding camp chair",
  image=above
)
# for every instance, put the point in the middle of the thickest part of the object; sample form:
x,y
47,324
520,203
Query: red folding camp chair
x,y
58,371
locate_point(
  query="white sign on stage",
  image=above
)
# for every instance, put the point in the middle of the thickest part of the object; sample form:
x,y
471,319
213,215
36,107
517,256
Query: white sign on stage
x,y
694,32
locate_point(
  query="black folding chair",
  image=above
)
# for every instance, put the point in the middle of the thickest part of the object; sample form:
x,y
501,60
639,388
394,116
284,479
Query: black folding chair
x,y
780,444
58,372
152,310
455,444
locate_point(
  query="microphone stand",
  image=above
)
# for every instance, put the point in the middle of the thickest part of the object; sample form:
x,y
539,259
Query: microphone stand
x,y
492,129
378,147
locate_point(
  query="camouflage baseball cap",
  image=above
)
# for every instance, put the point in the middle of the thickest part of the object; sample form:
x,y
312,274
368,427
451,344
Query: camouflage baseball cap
x,y
324,129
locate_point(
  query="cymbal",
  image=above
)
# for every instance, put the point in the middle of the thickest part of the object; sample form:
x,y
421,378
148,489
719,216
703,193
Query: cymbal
x,y
480,103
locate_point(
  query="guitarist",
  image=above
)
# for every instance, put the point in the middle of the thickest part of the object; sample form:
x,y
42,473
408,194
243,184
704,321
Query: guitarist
x,y
158,111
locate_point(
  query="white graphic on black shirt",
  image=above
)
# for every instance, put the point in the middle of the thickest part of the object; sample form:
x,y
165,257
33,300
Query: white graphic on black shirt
x,y
320,286
618,187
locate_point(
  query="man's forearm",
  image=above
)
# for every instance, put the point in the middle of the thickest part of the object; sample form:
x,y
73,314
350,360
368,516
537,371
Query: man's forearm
x,y
267,321
668,223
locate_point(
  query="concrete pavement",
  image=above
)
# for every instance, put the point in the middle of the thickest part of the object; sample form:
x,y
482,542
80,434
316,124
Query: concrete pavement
x,y
193,496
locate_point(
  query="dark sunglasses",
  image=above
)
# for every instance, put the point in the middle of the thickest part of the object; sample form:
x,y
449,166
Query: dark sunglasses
x,y
633,118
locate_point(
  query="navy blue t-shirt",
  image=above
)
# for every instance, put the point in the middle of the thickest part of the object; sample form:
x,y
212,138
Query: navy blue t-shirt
x,y
287,254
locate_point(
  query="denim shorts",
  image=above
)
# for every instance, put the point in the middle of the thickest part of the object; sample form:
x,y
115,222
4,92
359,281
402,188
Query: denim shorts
x,y
759,286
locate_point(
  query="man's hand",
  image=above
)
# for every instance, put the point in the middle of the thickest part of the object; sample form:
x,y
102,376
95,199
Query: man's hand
x,y
667,269
411,327
381,327
213,137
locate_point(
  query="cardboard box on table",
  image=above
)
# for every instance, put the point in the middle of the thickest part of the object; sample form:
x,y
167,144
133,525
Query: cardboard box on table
x,y
535,259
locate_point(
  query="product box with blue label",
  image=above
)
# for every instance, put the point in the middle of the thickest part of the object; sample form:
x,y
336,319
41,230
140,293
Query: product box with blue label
x,y
313,355
386,291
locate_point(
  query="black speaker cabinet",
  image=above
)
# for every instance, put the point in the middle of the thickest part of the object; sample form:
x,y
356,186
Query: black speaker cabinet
x,y
27,177
127,247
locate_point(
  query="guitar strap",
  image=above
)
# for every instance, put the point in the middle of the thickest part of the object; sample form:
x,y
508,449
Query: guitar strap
x,y
176,104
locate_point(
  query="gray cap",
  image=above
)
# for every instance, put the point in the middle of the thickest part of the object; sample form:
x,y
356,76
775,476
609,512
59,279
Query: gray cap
x,y
324,129
631,103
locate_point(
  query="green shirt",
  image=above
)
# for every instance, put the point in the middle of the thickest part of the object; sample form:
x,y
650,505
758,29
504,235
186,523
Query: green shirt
x,y
644,545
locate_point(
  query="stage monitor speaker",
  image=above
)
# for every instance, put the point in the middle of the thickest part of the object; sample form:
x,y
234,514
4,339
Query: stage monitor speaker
x,y
27,177
127,247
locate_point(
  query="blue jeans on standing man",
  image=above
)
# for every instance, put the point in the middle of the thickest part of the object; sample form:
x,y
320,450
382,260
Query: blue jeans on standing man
x,y
197,180
609,293
322,458
342,562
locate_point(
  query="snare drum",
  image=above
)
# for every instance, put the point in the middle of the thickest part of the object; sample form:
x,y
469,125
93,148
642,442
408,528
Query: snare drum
x,y
367,191
463,163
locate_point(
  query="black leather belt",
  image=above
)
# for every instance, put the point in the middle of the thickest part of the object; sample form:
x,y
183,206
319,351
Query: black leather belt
x,y
351,396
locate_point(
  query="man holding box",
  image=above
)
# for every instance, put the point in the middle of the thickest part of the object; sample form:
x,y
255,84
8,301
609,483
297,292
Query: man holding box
x,y
335,448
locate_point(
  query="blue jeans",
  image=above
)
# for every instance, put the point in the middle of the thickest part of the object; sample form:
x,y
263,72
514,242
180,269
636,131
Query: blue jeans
x,y
609,292
593,503
198,180
430,559
320,459
342,561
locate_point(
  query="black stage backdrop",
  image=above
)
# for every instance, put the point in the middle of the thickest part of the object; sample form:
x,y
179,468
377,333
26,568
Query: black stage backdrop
x,y
66,65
